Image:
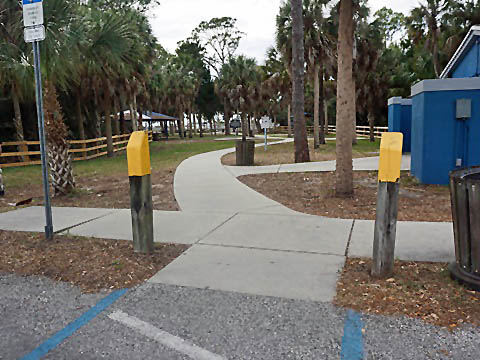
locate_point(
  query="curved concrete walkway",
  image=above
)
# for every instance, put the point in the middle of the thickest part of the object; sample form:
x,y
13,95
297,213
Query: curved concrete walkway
x,y
243,241
268,249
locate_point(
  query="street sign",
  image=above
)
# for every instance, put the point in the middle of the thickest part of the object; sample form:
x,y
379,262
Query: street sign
x,y
35,33
32,13
266,123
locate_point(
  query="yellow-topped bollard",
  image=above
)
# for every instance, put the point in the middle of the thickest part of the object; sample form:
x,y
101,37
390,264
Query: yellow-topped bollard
x,y
138,154
390,157
387,204
139,173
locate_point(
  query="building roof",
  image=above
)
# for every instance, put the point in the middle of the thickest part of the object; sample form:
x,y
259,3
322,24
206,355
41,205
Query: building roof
x,y
158,116
465,46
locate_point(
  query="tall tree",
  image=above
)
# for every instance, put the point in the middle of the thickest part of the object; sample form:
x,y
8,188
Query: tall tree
x,y
425,19
298,97
345,101
220,38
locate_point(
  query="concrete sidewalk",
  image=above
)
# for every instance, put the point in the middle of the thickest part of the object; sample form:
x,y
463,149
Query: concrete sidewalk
x,y
241,240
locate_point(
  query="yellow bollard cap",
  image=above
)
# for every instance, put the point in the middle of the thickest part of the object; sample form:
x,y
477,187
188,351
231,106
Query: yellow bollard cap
x,y
138,154
390,157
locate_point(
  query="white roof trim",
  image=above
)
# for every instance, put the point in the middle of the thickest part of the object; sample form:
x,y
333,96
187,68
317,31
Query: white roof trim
x,y
458,56
397,100
446,85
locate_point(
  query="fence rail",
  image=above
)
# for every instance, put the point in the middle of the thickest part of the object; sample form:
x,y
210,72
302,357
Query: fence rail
x,y
23,153
361,130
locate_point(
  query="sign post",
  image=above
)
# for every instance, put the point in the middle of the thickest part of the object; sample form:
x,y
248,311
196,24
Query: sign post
x,y
387,204
266,123
34,32
139,173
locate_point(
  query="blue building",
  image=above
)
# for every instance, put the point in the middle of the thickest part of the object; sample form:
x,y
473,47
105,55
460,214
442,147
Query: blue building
x,y
400,119
445,130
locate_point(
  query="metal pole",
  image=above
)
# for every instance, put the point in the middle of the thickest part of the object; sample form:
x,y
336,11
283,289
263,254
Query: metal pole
x,y
41,136
265,130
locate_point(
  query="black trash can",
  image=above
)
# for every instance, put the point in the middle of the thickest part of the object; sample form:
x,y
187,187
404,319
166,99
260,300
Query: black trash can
x,y
465,196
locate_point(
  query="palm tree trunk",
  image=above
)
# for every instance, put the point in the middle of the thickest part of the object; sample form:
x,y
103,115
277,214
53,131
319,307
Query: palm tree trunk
x,y
259,127
181,118
289,121
325,106
226,112
316,107
122,122
200,126
135,109
18,124
321,112
436,63
298,97
116,110
194,121
80,127
371,123
244,126
190,134
354,122
59,160
108,127
133,116
345,101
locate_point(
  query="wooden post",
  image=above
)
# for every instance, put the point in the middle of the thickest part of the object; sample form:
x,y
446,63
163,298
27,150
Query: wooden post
x,y
139,171
387,205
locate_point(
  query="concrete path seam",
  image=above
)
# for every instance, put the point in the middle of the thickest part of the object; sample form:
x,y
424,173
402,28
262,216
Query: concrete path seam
x,y
83,223
349,239
215,229
269,249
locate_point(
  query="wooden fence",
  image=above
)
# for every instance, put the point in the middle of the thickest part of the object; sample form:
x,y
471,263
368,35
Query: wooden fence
x,y
23,153
361,130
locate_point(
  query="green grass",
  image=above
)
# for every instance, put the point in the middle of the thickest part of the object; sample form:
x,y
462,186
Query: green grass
x,y
164,155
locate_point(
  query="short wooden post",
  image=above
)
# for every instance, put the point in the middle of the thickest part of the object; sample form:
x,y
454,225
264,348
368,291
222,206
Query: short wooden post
x,y
139,172
387,204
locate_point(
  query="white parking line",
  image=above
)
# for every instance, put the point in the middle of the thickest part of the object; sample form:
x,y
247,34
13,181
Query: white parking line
x,y
164,338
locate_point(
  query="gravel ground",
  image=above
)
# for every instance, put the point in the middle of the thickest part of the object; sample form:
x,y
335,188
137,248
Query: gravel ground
x,y
232,325
34,308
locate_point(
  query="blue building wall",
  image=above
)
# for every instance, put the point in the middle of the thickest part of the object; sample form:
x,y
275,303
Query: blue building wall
x,y
400,120
470,65
439,139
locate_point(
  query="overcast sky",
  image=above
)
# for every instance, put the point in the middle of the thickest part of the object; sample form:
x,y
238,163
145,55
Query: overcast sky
x,y
174,20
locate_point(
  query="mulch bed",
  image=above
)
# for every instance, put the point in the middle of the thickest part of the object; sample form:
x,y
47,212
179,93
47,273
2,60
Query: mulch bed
x,y
91,264
314,193
419,290
99,192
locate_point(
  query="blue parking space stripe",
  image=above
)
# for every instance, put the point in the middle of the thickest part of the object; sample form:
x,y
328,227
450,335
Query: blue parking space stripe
x,y
352,341
67,331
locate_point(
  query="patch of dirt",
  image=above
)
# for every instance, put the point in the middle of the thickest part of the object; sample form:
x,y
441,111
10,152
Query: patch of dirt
x,y
418,290
91,264
111,191
314,193
284,154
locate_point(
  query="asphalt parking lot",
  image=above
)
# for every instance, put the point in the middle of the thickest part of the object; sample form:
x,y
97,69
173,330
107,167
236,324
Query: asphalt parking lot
x,y
170,322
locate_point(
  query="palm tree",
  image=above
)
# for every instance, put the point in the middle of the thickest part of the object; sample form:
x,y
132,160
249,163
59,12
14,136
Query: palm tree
x,y
345,101
16,70
298,101
241,76
59,160
317,52
428,15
